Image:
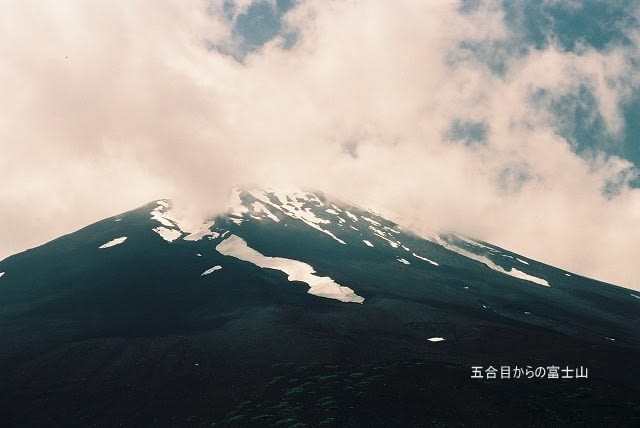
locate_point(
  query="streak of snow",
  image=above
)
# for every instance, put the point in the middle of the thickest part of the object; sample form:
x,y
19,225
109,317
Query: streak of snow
x,y
404,261
291,205
332,211
487,262
381,235
351,216
425,259
397,232
114,242
476,243
213,269
367,242
522,261
436,339
370,220
259,207
324,286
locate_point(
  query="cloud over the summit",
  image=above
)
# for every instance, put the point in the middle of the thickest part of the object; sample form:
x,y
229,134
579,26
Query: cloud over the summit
x,y
398,106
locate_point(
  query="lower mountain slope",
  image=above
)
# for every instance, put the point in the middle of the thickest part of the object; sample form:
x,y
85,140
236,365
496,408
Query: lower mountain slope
x,y
293,309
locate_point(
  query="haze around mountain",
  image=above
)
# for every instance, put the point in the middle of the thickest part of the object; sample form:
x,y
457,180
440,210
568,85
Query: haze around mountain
x,y
476,116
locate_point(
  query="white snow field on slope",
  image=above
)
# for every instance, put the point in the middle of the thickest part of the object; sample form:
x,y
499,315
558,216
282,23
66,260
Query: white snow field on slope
x,y
291,205
113,242
175,224
1,273
321,286
425,259
167,234
213,269
487,262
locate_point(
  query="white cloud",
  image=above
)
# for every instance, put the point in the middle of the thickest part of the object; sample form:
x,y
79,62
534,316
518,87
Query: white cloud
x,y
112,104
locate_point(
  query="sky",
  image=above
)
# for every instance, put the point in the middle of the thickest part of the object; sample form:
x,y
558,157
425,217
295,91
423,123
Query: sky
x,y
515,122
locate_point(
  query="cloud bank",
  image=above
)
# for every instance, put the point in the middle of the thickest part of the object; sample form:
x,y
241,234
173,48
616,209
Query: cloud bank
x,y
431,113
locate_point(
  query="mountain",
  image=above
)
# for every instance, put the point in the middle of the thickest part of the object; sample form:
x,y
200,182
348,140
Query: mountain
x,y
296,310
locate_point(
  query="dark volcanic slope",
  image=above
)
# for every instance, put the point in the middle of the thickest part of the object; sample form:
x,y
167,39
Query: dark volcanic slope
x,y
135,334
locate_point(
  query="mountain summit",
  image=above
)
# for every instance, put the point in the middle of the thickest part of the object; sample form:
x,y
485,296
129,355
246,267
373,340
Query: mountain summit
x,y
293,309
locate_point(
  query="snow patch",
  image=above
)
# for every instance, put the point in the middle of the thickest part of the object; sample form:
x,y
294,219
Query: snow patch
x,y
291,204
404,261
370,220
351,216
487,262
610,338
332,211
425,259
168,235
158,215
235,205
184,222
635,295
367,242
1,273
321,286
213,269
259,207
354,228
436,339
380,234
522,261
477,244
204,230
519,274
114,242
566,274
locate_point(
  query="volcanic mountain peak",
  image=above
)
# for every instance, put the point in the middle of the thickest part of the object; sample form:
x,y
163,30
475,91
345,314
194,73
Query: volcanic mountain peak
x,y
336,220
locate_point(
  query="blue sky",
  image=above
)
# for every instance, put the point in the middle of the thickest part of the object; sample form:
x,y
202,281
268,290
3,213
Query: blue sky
x,y
533,25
